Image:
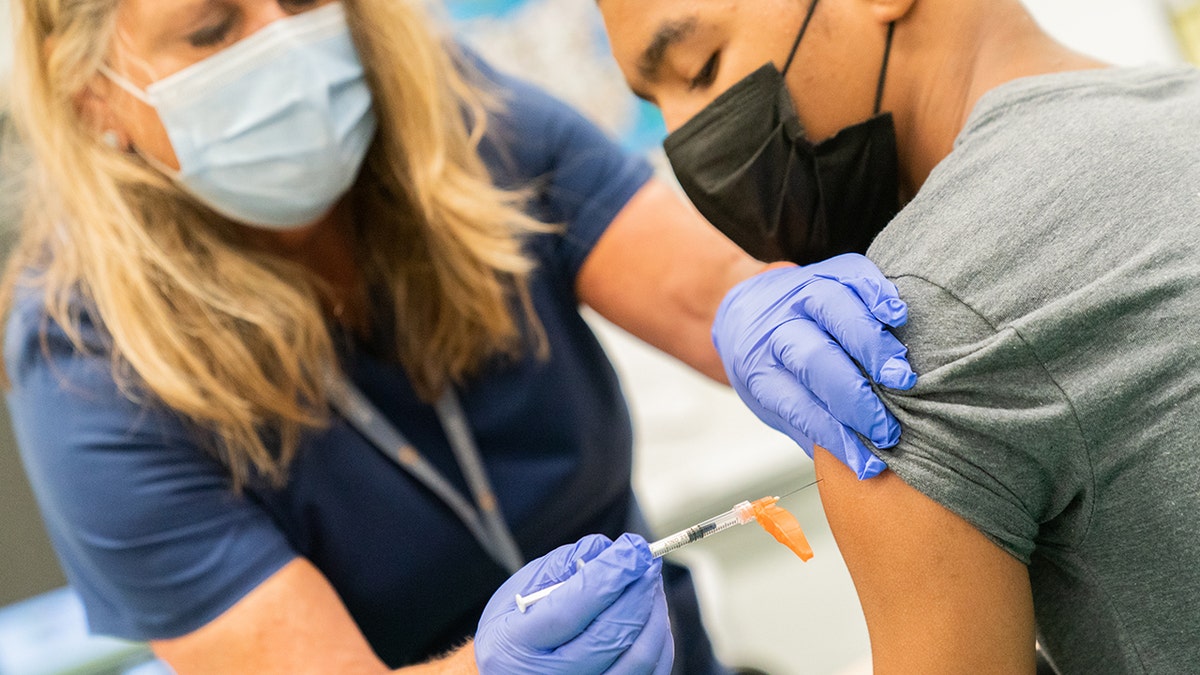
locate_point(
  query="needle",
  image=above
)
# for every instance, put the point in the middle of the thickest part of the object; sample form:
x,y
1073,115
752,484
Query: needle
x,y
802,487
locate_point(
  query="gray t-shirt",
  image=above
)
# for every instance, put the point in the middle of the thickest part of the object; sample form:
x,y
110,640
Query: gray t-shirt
x,y
1052,269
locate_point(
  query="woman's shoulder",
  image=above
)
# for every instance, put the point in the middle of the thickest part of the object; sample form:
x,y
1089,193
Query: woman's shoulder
x,y
35,337
531,133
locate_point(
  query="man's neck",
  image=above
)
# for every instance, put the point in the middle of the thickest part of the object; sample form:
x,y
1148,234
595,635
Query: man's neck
x,y
940,75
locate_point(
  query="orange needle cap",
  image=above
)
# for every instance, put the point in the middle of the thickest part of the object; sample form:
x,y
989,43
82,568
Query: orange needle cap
x,y
782,525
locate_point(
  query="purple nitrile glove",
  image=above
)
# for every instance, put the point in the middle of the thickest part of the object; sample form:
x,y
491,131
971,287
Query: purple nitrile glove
x,y
789,338
609,617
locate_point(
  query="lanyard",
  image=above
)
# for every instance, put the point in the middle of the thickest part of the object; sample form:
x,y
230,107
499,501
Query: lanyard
x,y
486,524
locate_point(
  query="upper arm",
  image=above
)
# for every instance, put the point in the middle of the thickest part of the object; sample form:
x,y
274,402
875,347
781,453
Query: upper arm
x,y
938,595
147,527
151,535
990,466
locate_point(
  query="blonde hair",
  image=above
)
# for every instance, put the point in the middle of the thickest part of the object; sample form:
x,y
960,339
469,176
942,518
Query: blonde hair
x,y
230,336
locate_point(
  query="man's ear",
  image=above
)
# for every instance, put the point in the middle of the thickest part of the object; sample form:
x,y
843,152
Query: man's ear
x,y
889,11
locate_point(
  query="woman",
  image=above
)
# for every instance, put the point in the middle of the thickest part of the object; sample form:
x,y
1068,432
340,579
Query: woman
x,y
267,240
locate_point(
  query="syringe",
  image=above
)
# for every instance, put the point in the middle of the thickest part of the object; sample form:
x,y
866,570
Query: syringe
x,y
740,514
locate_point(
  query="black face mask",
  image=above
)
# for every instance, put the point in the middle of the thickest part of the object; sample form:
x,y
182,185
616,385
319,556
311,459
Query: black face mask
x,y
746,165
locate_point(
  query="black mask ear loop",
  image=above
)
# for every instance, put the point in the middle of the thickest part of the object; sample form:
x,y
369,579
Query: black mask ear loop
x,y
799,36
887,53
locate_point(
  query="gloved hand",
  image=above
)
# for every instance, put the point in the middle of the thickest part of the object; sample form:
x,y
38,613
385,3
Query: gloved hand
x,y
609,617
787,337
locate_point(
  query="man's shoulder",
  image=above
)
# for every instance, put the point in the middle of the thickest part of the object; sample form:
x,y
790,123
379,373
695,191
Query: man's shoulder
x,y
1047,191
1080,106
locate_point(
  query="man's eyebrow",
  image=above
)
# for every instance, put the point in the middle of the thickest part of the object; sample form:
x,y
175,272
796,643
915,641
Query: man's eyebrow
x,y
668,35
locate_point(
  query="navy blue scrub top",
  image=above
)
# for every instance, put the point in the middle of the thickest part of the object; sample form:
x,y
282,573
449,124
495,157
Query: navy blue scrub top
x,y
157,545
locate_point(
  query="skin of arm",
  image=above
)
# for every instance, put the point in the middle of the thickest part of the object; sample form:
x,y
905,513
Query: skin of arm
x,y
291,623
660,271
938,595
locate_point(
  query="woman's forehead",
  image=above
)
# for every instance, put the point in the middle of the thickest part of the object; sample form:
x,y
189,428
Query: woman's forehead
x,y
157,10
147,22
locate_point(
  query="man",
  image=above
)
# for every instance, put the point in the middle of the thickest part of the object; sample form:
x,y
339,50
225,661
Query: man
x,y
1046,481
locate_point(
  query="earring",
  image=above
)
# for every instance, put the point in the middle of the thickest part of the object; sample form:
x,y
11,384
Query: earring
x,y
112,139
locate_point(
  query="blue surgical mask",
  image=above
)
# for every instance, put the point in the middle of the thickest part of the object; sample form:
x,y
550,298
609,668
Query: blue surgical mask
x,y
272,131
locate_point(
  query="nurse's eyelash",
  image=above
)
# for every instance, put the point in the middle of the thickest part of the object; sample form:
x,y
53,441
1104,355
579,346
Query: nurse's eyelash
x,y
708,73
211,36
216,34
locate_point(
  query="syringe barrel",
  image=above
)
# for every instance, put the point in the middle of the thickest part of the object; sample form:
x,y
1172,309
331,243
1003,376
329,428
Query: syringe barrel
x,y
698,531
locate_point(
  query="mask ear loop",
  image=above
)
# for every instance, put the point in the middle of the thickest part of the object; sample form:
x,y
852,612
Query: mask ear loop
x,y
800,36
133,90
887,53
124,83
